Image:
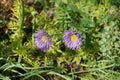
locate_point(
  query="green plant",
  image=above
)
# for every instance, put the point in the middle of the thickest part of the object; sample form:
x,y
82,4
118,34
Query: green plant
x,y
97,58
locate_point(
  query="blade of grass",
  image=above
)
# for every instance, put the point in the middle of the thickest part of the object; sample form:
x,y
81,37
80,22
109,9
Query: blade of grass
x,y
11,65
44,67
4,77
64,77
92,70
31,75
34,73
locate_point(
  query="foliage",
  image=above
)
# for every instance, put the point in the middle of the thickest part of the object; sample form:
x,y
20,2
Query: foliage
x,y
98,58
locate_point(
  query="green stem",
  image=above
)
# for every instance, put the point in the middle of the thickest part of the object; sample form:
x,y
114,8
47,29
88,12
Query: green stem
x,y
20,29
21,16
33,27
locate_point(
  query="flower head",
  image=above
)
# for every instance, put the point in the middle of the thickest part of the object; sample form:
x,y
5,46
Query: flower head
x,y
72,39
42,40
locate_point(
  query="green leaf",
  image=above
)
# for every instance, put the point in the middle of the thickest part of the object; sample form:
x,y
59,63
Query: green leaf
x,y
34,73
105,18
4,77
31,75
65,1
10,66
54,73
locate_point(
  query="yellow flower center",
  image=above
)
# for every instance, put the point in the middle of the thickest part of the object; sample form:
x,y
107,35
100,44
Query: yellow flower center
x,y
44,39
74,38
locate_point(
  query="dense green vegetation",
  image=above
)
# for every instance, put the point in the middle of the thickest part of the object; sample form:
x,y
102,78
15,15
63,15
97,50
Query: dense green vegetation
x,y
98,22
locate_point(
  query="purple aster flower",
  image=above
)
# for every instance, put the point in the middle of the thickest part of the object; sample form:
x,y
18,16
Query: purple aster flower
x,y
72,39
42,40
